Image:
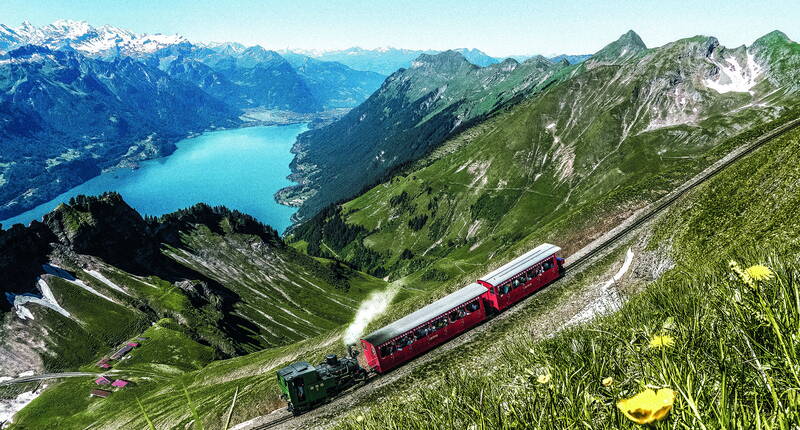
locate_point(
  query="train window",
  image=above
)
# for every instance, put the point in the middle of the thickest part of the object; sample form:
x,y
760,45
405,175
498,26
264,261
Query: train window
x,y
456,315
472,307
440,323
386,350
504,289
421,333
548,265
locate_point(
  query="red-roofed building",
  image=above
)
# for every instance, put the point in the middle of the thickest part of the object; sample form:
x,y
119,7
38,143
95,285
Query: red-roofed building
x,y
100,393
121,353
102,381
119,383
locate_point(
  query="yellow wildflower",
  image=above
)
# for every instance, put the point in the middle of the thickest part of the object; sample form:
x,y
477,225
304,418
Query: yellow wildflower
x,y
648,406
608,381
360,418
759,272
661,341
543,379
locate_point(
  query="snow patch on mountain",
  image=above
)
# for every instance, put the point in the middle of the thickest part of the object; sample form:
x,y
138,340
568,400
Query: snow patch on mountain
x,y
734,77
610,299
99,276
63,274
9,407
48,301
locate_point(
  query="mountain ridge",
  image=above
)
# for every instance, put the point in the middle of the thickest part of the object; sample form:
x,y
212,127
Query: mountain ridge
x,y
210,269
415,109
585,145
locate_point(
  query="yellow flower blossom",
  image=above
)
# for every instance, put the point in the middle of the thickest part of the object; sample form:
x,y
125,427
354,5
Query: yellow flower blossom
x,y
360,418
648,406
759,272
543,379
661,341
608,381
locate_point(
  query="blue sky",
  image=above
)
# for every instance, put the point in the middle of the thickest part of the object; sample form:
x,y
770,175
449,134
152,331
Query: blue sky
x,y
499,27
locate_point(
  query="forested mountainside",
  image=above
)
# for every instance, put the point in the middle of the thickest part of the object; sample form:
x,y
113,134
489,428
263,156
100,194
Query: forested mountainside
x,y
414,110
94,273
76,99
613,133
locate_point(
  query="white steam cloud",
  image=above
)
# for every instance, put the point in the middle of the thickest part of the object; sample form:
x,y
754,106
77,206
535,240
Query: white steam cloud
x,y
374,305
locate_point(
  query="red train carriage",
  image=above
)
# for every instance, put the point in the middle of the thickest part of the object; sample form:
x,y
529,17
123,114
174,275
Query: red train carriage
x,y
417,333
522,276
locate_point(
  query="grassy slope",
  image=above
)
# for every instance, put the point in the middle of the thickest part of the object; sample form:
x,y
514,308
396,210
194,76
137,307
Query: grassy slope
x,y
746,213
414,111
512,182
690,296
289,297
161,369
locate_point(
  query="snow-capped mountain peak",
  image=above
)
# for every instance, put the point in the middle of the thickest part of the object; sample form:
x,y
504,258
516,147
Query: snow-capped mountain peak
x,y
103,41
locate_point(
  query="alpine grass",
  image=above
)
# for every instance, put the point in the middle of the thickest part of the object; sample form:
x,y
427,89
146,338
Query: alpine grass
x,y
731,361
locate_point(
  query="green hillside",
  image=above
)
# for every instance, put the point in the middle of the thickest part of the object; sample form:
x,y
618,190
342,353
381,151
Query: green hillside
x,y
106,274
224,302
413,112
561,167
692,302
732,362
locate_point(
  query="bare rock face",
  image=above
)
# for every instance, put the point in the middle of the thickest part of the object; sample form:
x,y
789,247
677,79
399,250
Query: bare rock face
x,y
21,346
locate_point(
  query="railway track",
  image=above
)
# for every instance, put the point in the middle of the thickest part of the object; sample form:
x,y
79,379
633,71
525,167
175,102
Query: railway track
x,y
668,200
273,423
659,207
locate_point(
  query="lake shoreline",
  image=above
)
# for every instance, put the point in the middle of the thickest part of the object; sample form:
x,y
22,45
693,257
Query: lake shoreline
x,y
165,147
226,164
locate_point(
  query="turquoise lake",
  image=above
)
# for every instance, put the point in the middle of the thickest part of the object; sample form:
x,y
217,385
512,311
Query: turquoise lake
x,y
240,169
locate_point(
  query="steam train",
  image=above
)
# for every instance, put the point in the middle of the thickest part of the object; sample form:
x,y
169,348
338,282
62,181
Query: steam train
x,y
305,387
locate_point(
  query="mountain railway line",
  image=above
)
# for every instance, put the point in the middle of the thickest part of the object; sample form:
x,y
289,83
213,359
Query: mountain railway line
x,y
667,201
591,250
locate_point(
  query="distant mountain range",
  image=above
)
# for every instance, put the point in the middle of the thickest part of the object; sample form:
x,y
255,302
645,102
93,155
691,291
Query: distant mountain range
x,y
76,99
104,42
388,60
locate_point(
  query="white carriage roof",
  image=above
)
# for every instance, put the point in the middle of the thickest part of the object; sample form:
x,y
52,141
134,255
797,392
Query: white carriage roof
x,y
507,271
425,314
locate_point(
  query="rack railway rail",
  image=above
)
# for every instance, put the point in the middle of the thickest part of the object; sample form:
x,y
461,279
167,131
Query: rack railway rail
x,y
400,330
